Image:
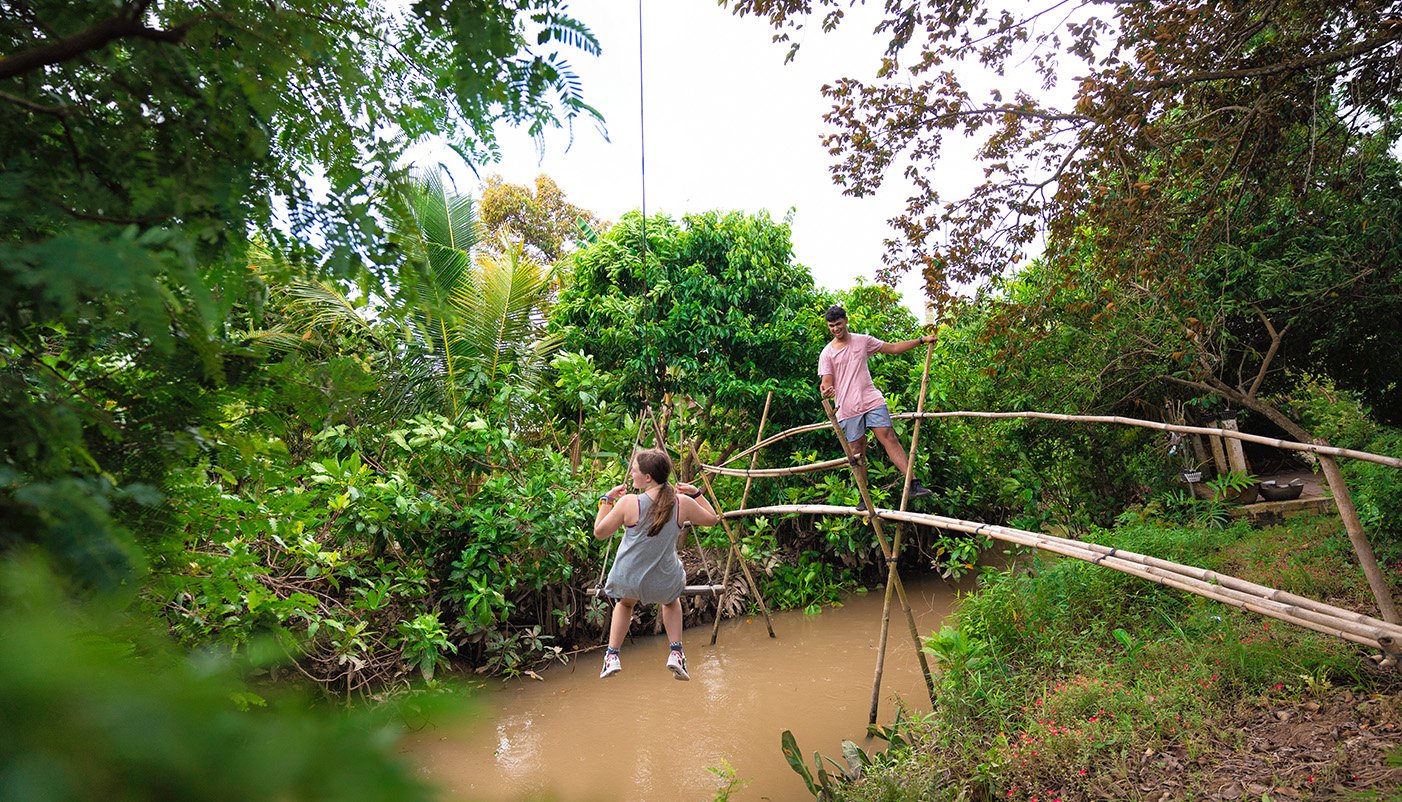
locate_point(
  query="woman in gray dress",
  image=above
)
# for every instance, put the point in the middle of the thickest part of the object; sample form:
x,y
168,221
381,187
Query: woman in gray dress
x,y
647,568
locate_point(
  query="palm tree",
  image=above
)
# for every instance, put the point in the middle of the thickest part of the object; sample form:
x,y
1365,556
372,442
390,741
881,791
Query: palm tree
x,y
472,307
477,306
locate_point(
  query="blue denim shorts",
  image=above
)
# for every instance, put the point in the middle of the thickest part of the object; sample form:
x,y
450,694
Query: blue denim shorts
x,y
856,426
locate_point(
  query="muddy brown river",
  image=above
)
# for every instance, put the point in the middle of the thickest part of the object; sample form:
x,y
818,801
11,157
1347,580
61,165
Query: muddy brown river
x,y
642,736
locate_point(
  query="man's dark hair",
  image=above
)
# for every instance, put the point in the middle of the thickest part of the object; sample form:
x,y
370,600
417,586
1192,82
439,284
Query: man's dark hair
x,y
835,313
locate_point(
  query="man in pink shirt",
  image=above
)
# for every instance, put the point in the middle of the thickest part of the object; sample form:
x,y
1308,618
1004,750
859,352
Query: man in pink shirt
x,y
845,377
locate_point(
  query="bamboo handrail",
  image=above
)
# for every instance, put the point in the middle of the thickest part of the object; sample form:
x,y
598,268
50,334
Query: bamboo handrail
x,y
1338,489
774,438
1270,602
1288,445
791,470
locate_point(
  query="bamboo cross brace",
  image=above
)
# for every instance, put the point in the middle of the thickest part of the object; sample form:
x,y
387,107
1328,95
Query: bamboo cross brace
x,y
896,542
744,499
734,544
895,576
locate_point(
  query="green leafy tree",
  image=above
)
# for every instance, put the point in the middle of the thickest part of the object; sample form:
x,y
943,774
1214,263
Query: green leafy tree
x,y
142,143
719,312
541,217
139,152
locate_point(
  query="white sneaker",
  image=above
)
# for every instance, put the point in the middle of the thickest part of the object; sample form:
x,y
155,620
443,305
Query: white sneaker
x,y
676,661
612,665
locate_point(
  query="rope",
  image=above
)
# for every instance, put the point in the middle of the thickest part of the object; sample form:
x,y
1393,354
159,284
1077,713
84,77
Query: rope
x,y
642,138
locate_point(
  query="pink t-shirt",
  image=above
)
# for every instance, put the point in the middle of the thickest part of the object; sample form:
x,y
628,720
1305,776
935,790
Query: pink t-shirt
x,y
850,376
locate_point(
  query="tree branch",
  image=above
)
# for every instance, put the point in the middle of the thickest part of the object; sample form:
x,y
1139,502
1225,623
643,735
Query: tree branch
x,y
1018,111
25,103
1274,69
1276,337
1234,395
95,37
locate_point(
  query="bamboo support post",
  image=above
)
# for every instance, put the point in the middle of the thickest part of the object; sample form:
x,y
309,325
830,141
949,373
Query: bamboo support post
x,y
859,474
744,499
1343,501
896,541
1219,452
1199,451
735,545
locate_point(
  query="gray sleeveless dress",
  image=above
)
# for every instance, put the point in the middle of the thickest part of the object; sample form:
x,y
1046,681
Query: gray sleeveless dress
x,y
648,568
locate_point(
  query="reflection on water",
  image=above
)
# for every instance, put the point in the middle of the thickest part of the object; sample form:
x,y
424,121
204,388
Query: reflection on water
x,y
642,736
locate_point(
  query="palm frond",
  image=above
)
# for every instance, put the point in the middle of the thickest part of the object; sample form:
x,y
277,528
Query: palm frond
x,y
319,305
497,306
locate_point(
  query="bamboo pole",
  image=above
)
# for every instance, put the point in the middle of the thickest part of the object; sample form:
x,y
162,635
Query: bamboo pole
x,y
774,438
734,544
759,434
696,536
744,499
1307,613
1236,457
791,470
1343,501
859,474
896,542
1288,445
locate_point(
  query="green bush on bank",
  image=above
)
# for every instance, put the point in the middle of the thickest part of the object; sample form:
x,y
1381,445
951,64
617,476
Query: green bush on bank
x,y
383,553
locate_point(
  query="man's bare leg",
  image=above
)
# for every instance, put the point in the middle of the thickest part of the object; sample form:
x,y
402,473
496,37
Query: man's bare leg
x,y
887,437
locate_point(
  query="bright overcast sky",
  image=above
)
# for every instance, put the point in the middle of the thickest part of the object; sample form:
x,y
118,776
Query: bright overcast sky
x,y
728,126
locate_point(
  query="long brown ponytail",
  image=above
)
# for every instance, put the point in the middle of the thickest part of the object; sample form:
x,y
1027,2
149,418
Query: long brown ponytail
x,y
658,465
